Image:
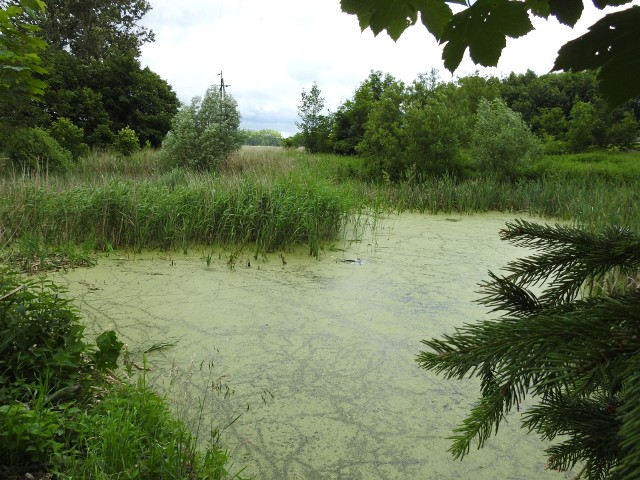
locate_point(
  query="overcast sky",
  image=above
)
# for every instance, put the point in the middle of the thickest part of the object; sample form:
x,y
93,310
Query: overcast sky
x,y
269,51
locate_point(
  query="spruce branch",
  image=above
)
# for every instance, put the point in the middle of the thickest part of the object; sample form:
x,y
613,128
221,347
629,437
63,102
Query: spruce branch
x,y
568,257
578,358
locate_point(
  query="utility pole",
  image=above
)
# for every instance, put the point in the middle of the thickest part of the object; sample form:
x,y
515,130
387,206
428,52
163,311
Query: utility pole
x,y
222,85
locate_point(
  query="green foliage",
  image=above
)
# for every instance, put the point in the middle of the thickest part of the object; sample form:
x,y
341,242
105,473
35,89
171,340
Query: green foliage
x,y
132,434
20,63
126,141
265,138
109,349
577,357
502,144
315,126
33,149
28,436
585,127
41,338
482,27
383,141
624,133
204,133
611,48
69,137
433,132
97,29
44,363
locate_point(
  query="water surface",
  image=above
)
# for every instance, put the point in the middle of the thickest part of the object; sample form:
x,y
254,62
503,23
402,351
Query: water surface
x,y
320,354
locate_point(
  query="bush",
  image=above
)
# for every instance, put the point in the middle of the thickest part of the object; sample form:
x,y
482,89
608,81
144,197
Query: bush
x,y
502,144
41,338
69,136
126,141
204,133
33,149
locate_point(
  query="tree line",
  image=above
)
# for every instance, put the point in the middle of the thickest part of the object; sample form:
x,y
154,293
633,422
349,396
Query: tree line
x,y
430,123
88,57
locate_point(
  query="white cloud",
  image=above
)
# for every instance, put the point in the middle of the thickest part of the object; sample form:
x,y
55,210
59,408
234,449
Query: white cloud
x,y
270,51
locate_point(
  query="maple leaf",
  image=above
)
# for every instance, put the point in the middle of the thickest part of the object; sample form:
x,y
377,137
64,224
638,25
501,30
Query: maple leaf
x,y
612,45
483,28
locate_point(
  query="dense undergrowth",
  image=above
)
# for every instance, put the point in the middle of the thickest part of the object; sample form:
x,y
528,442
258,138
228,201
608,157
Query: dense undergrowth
x,y
63,408
65,413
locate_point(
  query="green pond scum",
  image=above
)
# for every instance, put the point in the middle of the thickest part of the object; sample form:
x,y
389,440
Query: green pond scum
x,y
307,366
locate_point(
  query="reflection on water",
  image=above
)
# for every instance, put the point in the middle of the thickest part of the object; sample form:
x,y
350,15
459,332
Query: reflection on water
x,y
320,354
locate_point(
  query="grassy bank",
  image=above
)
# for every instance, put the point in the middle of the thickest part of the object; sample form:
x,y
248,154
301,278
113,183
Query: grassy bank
x,y
64,411
271,199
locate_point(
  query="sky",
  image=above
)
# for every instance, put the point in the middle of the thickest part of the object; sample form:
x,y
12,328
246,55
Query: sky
x,y
269,51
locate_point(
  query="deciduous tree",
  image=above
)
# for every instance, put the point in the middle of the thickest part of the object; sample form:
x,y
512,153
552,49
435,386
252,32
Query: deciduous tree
x,y
611,46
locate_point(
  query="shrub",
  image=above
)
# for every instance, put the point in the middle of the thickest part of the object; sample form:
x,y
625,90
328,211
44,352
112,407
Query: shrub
x,y
33,149
204,133
502,144
69,136
126,141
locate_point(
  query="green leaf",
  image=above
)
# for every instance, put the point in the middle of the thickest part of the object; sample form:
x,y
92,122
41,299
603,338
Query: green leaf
x,y
613,46
483,28
395,17
539,7
435,15
382,15
566,11
109,348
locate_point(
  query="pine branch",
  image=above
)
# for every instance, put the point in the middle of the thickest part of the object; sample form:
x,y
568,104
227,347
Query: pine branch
x,y
630,430
569,256
506,296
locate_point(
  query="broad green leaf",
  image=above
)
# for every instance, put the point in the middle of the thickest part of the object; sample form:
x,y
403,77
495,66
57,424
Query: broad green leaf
x,y
539,7
613,46
396,16
382,15
483,28
566,11
435,15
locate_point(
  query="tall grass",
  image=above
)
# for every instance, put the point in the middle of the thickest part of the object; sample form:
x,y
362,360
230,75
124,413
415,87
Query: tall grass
x,y
272,198
591,204
175,211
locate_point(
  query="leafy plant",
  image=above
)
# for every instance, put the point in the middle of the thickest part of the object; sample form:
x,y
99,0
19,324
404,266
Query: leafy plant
x,y
203,134
126,141
41,337
28,436
69,136
502,144
574,347
33,149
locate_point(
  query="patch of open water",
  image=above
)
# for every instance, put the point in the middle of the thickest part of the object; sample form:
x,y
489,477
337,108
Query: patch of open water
x,y
320,354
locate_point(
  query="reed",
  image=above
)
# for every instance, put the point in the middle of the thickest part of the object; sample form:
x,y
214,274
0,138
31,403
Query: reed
x,y
172,214
272,198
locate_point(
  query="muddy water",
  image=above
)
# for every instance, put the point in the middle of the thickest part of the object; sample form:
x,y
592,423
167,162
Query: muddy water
x,y
319,354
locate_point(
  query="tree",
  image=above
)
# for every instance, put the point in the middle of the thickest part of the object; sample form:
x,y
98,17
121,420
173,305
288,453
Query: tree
x,y
610,46
383,143
95,28
204,133
312,123
576,357
20,49
502,144
585,127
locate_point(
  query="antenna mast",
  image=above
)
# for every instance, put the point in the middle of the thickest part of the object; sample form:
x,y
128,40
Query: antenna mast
x,y
223,87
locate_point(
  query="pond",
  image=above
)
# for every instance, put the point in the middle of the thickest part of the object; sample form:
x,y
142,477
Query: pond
x,y
316,358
